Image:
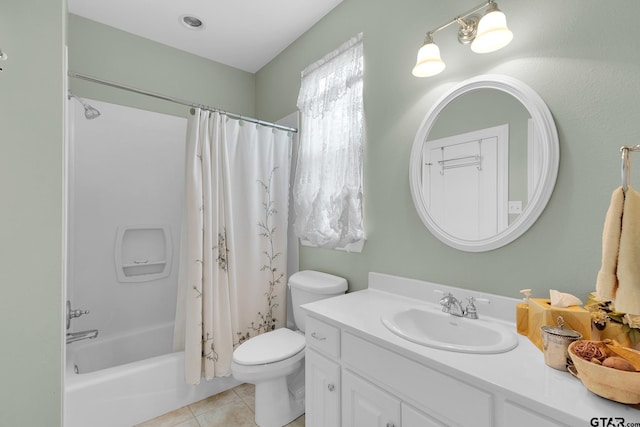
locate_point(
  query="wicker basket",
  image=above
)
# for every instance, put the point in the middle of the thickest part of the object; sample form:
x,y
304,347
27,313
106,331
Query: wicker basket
x,y
613,384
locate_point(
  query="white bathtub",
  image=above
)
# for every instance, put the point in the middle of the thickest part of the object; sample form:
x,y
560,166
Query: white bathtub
x,y
129,379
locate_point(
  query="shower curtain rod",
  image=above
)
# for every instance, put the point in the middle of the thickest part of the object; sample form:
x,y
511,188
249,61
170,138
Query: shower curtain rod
x,y
178,101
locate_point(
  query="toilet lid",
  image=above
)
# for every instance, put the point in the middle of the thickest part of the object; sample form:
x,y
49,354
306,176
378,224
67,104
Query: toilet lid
x,y
269,347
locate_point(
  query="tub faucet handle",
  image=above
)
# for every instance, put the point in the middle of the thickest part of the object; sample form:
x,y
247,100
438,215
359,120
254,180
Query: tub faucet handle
x,y
72,314
77,313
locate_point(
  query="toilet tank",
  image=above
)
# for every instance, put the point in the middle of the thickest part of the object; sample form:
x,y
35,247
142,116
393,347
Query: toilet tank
x,y
309,286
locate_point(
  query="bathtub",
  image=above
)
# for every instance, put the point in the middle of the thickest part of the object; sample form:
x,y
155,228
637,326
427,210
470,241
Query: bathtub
x,y
123,380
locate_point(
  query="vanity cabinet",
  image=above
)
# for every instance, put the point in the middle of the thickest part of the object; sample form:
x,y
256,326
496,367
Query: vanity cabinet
x,y
322,394
354,382
415,385
362,374
322,374
365,405
351,382
515,414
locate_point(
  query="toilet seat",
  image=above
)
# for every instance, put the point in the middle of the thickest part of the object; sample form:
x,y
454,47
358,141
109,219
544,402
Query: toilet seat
x,y
269,347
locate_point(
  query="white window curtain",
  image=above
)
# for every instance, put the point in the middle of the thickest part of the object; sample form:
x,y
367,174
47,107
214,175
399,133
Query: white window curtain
x,y
327,190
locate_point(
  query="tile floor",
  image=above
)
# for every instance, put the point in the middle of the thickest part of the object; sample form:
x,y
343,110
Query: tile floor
x,y
233,408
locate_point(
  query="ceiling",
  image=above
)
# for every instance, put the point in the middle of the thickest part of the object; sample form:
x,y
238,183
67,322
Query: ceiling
x,y
244,34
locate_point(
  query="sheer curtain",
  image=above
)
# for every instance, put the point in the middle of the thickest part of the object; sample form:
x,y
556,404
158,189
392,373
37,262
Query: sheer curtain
x,y
328,182
234,240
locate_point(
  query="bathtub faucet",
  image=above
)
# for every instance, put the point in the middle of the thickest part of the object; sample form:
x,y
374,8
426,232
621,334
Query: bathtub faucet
x,y
72,314
82,335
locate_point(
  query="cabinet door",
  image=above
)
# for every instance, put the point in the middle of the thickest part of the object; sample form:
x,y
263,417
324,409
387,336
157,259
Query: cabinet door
x,y
411,417
514,414
365,405
322,391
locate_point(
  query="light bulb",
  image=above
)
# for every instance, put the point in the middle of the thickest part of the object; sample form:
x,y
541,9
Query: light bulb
x,y
492,33
428,62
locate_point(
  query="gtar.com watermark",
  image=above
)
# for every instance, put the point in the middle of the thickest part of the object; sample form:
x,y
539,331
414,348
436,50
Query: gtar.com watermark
x,y
612,422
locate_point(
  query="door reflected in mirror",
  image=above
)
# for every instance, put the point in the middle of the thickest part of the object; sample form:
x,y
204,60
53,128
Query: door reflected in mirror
x,y
484,163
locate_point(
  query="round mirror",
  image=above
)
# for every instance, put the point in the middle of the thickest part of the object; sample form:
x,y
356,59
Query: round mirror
x,y
484,163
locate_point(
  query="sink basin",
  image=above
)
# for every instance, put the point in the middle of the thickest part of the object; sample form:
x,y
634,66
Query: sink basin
x,y
433,328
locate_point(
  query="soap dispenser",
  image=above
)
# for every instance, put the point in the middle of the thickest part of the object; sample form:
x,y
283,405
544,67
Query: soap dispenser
x,y
522,313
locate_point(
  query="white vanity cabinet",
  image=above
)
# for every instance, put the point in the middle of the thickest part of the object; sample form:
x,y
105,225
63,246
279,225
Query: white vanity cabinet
x,y
322,375
360,374
353,382
411,417
365,405
415,385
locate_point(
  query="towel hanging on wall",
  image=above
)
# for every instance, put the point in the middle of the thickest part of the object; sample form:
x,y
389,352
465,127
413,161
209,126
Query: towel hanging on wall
x,y
627,296
607,281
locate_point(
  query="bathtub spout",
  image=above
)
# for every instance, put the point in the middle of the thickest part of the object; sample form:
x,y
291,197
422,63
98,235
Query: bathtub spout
x,y
82,335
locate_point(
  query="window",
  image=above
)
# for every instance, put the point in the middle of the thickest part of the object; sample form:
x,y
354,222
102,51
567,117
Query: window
x,y
327,192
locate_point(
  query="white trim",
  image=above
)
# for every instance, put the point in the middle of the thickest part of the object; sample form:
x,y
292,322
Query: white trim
x,y
550,159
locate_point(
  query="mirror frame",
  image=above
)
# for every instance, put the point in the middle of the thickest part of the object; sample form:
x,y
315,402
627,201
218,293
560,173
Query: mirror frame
x,y
548,136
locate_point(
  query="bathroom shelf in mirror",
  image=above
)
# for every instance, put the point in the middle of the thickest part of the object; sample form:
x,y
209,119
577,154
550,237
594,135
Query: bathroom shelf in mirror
x,y
143,252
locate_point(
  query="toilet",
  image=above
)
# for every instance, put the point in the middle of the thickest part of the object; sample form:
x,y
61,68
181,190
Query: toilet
x,y
274,361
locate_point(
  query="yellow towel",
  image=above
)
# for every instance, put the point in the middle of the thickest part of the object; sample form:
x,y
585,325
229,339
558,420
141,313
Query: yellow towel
x,y
628,294
607,282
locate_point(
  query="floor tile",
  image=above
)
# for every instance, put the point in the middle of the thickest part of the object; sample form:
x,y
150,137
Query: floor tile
x,y
232,408
246,392
298,422
214,402
171,419
235,414
191,423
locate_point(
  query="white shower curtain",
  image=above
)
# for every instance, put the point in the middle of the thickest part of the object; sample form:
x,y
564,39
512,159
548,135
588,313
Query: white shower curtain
x,y
234,240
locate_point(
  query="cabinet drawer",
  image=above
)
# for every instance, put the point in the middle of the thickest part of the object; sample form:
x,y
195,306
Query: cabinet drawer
x,y
323,337
438,394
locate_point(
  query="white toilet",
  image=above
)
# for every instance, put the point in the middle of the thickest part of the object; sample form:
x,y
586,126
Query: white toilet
x,y
274,361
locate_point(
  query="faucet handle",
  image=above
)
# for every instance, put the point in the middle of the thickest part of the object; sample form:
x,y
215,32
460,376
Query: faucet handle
x,y
77,313
470,311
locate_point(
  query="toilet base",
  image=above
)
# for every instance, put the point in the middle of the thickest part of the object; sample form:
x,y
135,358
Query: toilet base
x,y
275,406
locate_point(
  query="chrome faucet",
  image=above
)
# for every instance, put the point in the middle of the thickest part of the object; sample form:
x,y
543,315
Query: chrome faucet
x,y
72,314
82,335
453,306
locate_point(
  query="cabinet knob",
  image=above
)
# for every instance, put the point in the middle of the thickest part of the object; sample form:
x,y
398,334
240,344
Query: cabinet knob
x,y
331,387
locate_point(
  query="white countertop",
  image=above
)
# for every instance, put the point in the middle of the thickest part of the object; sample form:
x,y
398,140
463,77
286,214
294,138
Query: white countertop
x,y
519,373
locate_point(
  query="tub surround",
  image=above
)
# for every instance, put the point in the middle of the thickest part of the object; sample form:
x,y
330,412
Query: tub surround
x,y
124,380
512,385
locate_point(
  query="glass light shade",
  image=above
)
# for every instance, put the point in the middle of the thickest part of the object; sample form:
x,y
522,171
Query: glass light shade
x,y
492,34
429,62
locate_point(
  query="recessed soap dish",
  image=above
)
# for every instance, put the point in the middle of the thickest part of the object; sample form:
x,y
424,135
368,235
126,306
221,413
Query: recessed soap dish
x,y
143,252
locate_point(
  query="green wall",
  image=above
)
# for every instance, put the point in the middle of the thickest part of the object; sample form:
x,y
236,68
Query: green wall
x,y
578,55
107,53
32,33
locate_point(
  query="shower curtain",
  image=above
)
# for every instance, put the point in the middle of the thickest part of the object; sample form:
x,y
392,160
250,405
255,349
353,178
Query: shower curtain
x,y
234,240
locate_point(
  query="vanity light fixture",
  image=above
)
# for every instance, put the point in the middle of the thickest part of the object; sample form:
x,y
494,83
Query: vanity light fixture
x,y
486,34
